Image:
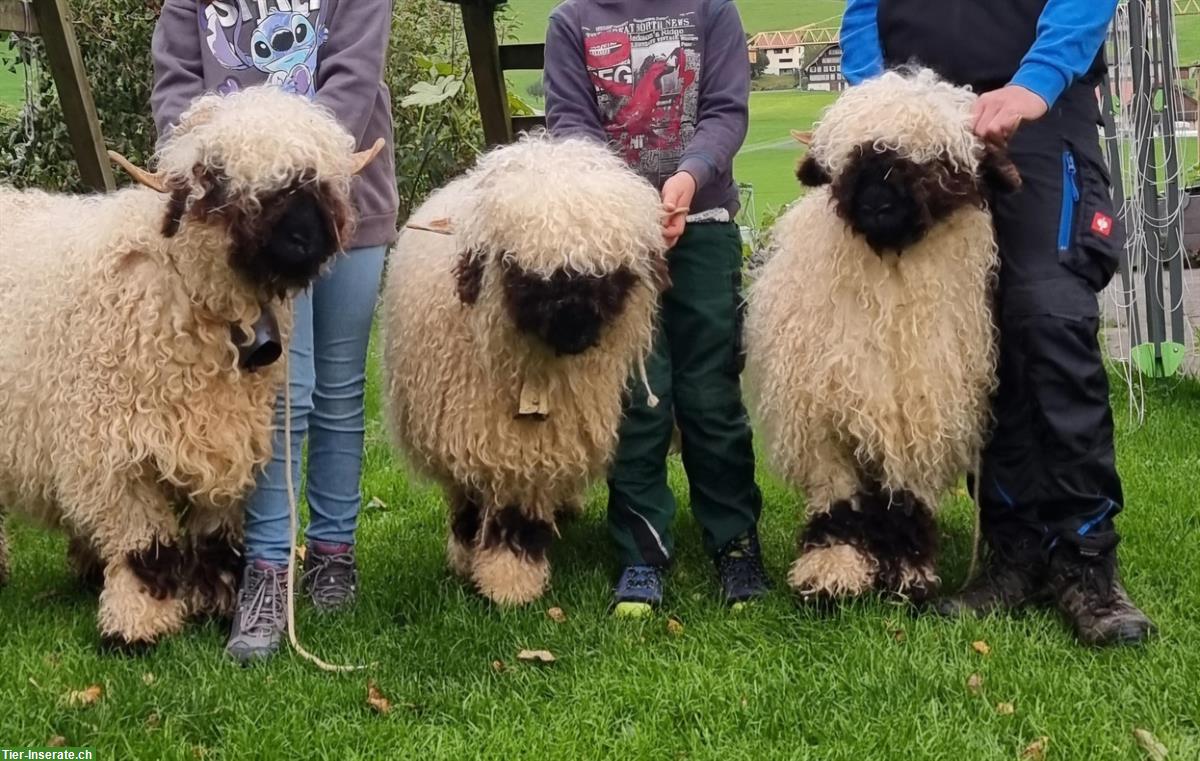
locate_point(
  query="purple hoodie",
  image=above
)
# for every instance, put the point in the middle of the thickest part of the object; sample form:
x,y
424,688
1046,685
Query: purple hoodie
x,y
667,83
330,51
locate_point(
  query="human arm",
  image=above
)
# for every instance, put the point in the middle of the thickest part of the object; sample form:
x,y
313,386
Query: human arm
x,y
1069,34
571,108
862,52
724,106
352,61
178,68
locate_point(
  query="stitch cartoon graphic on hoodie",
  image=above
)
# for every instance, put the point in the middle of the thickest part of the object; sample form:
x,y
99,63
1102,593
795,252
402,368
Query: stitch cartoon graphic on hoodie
x,y
284,43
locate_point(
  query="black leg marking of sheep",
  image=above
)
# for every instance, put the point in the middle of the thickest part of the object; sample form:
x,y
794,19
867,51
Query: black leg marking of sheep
x,y
136,384
508,344
871,351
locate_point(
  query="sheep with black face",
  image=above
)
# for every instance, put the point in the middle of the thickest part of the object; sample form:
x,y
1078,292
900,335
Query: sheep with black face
x,y
871,354
509,340
137,373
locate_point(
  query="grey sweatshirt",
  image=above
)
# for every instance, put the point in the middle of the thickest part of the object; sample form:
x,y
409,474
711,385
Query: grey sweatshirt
x,y
666,82
330,51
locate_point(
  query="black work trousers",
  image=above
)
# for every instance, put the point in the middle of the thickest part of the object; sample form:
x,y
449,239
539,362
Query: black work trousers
x,y
1050,463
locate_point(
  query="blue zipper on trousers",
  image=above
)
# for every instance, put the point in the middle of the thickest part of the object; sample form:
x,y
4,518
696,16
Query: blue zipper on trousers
x,y
1070,198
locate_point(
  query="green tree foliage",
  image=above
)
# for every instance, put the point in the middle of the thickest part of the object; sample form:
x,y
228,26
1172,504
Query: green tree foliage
x,y
436,137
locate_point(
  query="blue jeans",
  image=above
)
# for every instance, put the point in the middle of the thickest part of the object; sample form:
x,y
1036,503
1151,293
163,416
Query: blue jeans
x,y
328,357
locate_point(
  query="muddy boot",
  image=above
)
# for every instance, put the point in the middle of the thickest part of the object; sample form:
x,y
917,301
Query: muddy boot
x,y
1014,574
1087,590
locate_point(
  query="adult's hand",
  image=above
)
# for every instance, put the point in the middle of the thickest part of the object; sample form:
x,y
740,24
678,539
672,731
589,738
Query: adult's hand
x,y
997,114
677,196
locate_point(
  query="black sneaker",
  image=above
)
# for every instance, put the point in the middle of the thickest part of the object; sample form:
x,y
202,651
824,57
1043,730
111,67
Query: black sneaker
x,y
1087,589
740,568
330,576
638,592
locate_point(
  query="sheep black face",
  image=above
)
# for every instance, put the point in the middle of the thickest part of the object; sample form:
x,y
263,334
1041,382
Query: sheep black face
x,y
893,201
567,311
278,241
287,244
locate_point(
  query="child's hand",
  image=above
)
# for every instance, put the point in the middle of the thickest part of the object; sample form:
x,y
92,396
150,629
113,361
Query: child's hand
x,y
677,196
997,114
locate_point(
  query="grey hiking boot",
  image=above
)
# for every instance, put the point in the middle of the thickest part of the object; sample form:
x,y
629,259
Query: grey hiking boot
x,y
1013,576
330,576
261,615
1001,585
1087,589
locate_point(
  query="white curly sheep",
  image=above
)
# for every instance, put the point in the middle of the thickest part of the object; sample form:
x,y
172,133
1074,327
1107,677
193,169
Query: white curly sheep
x,y
508,344
136,401
870,340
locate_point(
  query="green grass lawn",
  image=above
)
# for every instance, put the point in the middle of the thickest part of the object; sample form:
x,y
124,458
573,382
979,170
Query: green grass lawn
x,y
869,682
12,88
768,157
757,15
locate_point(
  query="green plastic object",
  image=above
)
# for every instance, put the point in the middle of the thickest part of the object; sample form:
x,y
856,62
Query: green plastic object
x,y
1158,360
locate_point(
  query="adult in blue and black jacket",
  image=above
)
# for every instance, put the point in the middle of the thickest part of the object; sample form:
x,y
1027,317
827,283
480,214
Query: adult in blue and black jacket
x,y
1048,487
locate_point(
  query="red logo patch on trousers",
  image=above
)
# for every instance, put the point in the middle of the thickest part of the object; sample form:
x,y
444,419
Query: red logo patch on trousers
x,y
1102,224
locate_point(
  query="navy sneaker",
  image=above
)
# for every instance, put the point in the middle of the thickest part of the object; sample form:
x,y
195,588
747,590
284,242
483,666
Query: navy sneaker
x,y
638,592
740,568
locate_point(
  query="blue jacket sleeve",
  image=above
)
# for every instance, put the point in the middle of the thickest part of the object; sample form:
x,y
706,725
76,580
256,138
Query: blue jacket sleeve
x,y
1069,34
862,53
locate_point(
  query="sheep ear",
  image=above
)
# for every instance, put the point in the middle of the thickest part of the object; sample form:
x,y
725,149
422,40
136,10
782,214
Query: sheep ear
x,y
997,170
362,158
804,138
141,176
468,276
811,173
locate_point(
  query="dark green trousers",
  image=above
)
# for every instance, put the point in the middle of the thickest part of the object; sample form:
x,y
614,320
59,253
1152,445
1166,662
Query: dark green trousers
x,y
694,370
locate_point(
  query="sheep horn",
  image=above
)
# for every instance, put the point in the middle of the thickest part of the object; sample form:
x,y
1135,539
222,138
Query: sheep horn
x,y
362,158
802,137
141,176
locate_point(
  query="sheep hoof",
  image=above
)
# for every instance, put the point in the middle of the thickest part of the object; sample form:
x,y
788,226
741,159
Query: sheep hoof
x,y
212,580
916,583
509,578
84,564
831,572
112,644
129,611
459,556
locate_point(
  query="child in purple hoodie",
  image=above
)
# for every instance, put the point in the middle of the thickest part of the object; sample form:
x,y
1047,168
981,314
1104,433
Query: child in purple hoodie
x,y
666,84
331,51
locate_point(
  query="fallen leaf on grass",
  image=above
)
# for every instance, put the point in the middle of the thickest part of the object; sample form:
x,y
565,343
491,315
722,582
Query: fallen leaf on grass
x,y
376,504
58,741
899,635
85,697
981,647
539,656
153,721
301,551
1036,750
498,666
376,700
975,684
1005,709
148,678
1155,750
674,627
556,615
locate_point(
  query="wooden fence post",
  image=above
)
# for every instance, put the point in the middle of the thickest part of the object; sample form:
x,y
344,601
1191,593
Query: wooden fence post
x,y
52,20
